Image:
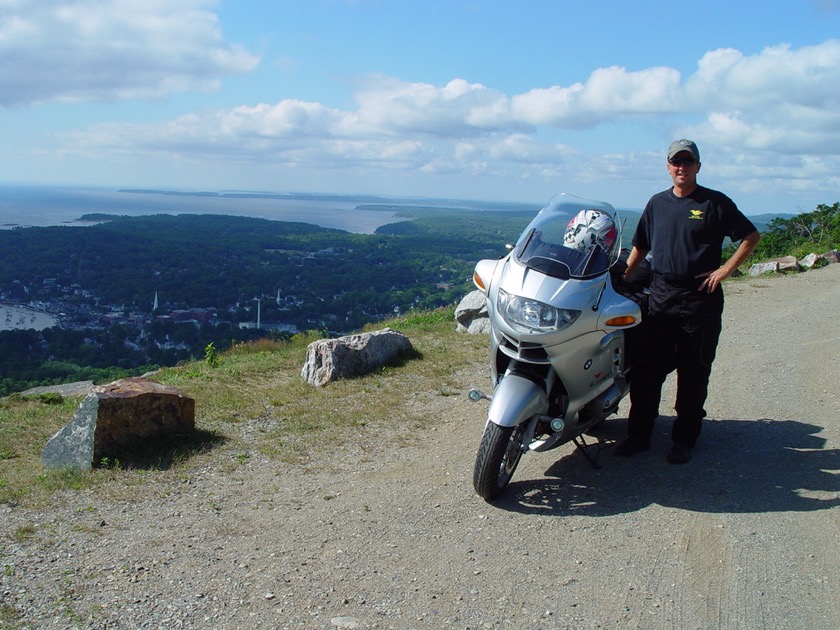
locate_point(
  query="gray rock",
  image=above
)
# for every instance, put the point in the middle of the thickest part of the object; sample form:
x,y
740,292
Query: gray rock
x,y
471,314
832,256
809,261
787,263
790,263
72,447
351,356
115,417
766,267
478,326
66,389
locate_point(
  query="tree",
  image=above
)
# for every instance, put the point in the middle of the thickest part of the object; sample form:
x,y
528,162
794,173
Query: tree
x,y
802,234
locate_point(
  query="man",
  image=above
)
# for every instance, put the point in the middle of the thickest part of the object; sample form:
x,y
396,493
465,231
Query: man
x,y
683,228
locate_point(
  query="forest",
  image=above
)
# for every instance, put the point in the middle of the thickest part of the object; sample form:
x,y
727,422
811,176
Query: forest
x,y
303,277
203,261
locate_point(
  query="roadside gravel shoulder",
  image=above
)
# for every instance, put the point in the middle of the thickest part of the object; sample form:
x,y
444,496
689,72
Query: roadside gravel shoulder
x,y
386,532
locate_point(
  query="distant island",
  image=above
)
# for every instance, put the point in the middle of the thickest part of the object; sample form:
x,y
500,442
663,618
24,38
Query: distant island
x,y
372,202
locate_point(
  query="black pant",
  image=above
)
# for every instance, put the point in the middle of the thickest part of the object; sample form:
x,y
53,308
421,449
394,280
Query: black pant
x,y
681,332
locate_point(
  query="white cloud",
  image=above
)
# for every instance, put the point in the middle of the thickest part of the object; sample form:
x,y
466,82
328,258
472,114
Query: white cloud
x,y
287,119
780,100
609,93
744,110
389,106
71,50
809,76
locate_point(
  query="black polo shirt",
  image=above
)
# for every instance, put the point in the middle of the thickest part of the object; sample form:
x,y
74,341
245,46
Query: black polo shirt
x,y
685,234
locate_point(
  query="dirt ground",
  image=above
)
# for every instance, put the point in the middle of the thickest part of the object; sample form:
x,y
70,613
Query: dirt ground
x,y
745,535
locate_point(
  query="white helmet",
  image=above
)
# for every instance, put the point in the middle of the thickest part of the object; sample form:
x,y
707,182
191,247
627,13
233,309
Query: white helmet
x,y
589,228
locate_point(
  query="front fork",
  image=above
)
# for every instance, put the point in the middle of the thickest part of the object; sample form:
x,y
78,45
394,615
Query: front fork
x,y
519,399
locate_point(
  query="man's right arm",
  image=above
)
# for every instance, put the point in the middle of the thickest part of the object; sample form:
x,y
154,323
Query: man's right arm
x,y
634,259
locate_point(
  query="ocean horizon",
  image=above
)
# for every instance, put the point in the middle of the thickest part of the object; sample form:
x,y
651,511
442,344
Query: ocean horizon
x,y
42,206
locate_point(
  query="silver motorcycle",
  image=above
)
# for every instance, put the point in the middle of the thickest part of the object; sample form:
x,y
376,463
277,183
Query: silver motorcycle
x,y
557,342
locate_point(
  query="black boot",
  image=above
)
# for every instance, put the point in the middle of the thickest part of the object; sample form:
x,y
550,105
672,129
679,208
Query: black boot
x,y
680,453
631,445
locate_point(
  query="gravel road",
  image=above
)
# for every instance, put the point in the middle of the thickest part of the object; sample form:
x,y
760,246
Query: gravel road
x,y
746,535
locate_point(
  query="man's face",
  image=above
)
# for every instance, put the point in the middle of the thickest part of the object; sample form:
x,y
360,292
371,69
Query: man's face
x,y
683,169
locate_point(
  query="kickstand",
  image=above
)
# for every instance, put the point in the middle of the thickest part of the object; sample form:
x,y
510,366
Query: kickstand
x,y
587,450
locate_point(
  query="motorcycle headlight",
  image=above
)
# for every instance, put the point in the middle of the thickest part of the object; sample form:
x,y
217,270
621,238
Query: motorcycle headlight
x,y
532,316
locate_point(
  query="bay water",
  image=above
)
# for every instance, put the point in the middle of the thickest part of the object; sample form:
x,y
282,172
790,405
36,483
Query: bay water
x,y
32,206
41,206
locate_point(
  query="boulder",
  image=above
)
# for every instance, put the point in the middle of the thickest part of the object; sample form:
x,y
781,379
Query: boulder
x,y
328,360
809,261
787,263
78,388
776,265
762,268
117,417
471,314
832,256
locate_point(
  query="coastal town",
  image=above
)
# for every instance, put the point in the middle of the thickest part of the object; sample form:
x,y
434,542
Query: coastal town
x,y
126,296
61,341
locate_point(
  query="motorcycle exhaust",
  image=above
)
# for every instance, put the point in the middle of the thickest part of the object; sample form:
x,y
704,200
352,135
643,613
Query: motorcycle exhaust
x,y
612,397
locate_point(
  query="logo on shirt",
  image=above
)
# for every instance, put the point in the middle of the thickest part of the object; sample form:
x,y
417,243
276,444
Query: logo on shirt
x,y
696,214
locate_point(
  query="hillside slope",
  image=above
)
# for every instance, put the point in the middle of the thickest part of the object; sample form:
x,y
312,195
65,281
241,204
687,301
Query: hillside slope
x,y
375,525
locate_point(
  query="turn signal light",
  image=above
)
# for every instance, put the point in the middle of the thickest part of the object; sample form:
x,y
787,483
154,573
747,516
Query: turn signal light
x,y
478,282
623,320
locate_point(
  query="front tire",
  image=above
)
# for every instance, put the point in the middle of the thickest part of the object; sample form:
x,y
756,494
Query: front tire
x,y
498,455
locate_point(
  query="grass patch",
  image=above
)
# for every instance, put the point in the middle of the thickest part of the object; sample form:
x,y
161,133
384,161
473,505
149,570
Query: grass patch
x,y
24,533
8,615
252,400
423,320
26,424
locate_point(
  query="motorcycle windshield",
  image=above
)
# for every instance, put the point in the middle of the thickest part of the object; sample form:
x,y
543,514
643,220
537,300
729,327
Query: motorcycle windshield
x,y
571,238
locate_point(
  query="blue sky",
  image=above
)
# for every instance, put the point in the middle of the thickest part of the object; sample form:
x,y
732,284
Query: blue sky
x,y
469,99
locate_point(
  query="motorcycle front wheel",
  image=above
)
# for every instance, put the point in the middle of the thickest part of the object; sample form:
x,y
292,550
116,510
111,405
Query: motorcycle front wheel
x,y
498,455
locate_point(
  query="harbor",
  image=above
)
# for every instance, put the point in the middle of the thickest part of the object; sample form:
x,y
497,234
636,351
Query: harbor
x,y
20,317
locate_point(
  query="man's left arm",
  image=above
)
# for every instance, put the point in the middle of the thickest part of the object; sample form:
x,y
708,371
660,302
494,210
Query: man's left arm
x,y
714,278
